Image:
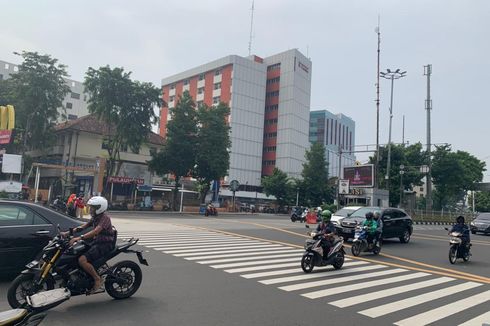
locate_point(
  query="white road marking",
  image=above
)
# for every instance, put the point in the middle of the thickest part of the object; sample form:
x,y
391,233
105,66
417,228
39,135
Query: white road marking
x,y
260,268
226,251
209,245
203,250
259,262
478,321
201,242
276,251
230,260
274,273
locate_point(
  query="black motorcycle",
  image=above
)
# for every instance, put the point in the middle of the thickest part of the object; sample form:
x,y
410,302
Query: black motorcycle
x,y
314,256
456,247
58,267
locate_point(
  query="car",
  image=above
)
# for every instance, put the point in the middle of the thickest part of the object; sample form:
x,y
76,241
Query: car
x,y
342,213
25,228
481,224
396,223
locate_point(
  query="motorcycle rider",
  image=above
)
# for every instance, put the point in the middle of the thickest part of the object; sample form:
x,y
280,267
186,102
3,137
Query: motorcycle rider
x,y
327,229
103,239
379,228
462,228
371,226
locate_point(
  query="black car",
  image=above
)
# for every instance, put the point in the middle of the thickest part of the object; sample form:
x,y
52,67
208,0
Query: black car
x,y
25,228
396,223
481,223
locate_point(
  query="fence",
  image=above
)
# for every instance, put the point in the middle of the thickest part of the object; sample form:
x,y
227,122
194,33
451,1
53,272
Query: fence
x,y
442,216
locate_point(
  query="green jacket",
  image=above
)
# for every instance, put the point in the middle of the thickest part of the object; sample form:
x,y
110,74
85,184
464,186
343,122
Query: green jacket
x,y
371,224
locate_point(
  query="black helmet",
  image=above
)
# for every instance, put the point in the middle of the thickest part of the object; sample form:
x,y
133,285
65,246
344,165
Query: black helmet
x,y
460,219
369,215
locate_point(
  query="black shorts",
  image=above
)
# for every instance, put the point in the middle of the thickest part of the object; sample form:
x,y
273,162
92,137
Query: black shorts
x,y
98,251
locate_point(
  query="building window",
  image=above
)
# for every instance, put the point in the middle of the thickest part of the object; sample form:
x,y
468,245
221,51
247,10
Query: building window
x,y
1,77
273,80
269,162
171,98
201,76
274,67
270,149
73,84
271,94
217,86
16,68
69,105
75,96
72,117
7,66
199,103
186,82
172,86
271,108
216,99
84,98
217,72
422,189
200,90
270,121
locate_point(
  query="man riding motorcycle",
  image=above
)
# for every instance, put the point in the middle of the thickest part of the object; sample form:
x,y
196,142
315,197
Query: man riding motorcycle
x,y
462,228
327,229
371,225
103,235
379,228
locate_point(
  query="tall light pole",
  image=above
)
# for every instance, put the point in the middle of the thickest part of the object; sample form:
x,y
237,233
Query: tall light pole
x,y
391,75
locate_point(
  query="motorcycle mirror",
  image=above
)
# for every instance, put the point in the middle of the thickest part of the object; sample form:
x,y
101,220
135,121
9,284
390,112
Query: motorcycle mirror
x,y
58,228
71,231
307,226
446,229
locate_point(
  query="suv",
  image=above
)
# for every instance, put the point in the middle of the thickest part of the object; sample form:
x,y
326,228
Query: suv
x,y
396,223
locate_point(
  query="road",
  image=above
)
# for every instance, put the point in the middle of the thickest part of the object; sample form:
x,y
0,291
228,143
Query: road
x,y
244,270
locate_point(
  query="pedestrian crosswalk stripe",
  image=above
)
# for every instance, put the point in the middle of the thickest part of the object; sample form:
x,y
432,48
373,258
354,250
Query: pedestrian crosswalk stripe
x,y
391,307
204,250
445,311
478,321
190,238
248,269
226,251
358,299
275,273
230,260
197,242
258,262
333,273
211,245
363,285
307,285
275,251
194,244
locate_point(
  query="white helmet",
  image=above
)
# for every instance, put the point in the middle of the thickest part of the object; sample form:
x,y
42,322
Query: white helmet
x,y
99,203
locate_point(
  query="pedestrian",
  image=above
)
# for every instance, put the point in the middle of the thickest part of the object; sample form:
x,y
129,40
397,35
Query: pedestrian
x,y
79,205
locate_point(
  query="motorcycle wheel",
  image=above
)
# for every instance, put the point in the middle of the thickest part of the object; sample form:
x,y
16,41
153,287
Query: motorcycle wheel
x,y
127,280
339,260
356,249
293,218
307,263
377,249
453,254
466,256
24,285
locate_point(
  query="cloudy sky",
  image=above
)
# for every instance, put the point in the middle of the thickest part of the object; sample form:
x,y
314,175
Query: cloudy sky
x,y
155,39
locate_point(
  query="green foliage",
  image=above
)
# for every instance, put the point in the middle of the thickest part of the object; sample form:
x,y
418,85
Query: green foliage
x,y
314,188
482,201
279,185
213,143
36,91
126,106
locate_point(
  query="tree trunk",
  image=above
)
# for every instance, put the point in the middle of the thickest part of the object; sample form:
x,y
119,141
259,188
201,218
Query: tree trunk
x,y
175,194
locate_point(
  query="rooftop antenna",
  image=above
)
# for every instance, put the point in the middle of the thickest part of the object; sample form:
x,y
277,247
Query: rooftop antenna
x,y
251,29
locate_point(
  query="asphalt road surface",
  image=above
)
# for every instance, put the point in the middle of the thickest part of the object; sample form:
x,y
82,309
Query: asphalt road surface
x,y
245,270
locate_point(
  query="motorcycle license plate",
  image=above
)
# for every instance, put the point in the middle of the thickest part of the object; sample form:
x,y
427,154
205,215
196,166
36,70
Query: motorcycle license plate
x,y
32,264
347,230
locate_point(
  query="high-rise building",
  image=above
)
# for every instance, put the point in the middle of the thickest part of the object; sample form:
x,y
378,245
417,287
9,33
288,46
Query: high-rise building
x,y
337,133
269,100
75,103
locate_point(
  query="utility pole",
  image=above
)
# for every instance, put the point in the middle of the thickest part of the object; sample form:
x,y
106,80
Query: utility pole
x,y
251,29
338,180
403,132
428,107
376,166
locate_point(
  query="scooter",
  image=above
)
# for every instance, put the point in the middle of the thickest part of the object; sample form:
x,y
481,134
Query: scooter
x,y
456,248
32,312
299,215
313,255
211,210
361,244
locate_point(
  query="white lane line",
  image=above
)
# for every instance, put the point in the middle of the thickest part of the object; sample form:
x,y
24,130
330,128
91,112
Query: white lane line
x,y
478,321
260,268
333,273
228,251
210,245
388,292
197,242
434,315
363,285
259,262
276,251
230,260
388,308
307,285
253,246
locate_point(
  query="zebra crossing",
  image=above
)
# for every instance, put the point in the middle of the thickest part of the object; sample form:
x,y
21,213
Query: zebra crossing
x,y
369,289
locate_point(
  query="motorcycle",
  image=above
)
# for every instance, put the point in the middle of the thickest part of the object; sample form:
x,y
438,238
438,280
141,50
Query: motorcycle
x,y
299,215
456,247
211,210
59,206
32,311
361,244
58,265
313,255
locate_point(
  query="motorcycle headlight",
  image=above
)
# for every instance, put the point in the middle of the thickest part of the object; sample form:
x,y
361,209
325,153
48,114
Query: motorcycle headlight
x,y
472,223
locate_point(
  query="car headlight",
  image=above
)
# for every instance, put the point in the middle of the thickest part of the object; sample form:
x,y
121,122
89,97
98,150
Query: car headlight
x,y
472,223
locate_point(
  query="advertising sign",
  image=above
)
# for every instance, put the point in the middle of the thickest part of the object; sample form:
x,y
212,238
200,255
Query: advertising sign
x,y
360,176
11,186
344,187
126,180
12,163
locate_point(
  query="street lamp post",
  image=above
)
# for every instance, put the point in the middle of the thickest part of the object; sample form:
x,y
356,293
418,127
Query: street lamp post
x,y
392,75
402,172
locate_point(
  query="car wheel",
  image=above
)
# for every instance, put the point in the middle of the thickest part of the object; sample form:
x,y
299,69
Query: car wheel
x,y
405,238
473,232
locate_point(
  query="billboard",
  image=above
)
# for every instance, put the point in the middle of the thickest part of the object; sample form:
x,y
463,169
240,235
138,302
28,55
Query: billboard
x,y
360,175
12,163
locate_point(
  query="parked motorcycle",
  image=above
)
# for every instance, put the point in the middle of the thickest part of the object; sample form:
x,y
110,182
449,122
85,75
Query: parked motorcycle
x,y
313,255
211,210
361,244
456,247
58,265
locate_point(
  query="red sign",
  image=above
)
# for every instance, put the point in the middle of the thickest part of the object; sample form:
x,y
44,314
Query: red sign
x,y
360,176
5,136
126,180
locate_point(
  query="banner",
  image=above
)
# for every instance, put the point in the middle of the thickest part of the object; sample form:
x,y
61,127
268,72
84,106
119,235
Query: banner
x,y
344,187
126,180
7,117
360,176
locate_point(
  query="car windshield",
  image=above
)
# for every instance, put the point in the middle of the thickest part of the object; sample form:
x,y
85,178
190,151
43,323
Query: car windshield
x,y
361,212
485,217
344,212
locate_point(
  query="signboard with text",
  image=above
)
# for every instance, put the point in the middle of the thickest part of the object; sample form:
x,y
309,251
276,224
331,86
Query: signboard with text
x,y
126,180
360,176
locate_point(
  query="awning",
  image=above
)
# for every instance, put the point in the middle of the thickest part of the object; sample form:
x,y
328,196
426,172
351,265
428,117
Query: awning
x,y
245,194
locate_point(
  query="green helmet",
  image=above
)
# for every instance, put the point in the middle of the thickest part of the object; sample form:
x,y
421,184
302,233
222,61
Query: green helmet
x,y
326,215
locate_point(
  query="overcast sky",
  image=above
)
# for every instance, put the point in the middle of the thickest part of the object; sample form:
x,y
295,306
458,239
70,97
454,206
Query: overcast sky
x,y
155,39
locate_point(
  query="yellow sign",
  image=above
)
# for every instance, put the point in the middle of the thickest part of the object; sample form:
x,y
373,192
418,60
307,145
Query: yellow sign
x,y
7,117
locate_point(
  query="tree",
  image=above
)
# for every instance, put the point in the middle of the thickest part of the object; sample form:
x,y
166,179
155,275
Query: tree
x,y
178,157
37,91
213,143
126,106
279,185
482,201
314,186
